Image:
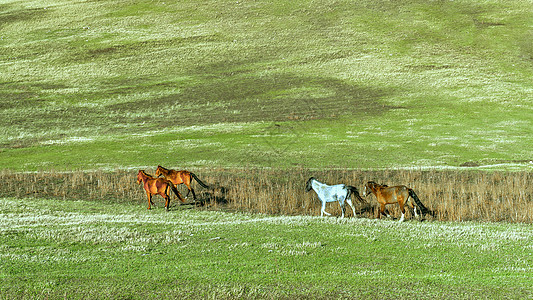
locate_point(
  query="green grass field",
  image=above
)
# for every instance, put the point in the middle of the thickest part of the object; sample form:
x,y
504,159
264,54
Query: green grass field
x,y
53,249
365,84
93,86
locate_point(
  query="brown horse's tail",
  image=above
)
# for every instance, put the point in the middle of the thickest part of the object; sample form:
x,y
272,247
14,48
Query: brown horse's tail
x,y
199,181
424,210
176,192
353,190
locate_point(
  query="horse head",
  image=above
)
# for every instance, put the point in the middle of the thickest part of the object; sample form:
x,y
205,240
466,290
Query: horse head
x,y
140,176
368,188
158,171
309,184
365,190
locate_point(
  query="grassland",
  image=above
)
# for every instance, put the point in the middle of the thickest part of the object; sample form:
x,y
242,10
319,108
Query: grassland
x,y
452,196
365,84
98,250
255,97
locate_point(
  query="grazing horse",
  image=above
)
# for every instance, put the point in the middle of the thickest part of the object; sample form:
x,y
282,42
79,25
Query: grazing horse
x,y
332,193
179,177
157,186
394,194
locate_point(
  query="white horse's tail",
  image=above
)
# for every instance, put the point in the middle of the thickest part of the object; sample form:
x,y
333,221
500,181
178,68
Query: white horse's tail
x,y
353,190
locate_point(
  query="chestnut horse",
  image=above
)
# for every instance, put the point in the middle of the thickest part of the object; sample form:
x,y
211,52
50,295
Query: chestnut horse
x,y
394,194
157,186
179,177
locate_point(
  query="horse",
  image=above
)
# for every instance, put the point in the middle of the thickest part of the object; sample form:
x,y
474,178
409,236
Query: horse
x,y
394,194
331,193
179,177
157,186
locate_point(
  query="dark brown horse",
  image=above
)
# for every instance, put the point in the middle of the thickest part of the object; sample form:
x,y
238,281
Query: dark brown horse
x,y
157,186
394,194
179,177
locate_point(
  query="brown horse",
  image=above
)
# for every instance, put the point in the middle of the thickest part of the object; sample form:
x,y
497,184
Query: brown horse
x,y
394,194
179,177
157,186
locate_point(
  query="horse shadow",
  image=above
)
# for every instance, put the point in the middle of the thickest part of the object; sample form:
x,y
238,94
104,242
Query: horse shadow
x,y
214,195
365,210
372,211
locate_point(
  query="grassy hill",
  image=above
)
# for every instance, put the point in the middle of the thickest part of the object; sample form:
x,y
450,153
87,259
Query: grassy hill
x,y
359,84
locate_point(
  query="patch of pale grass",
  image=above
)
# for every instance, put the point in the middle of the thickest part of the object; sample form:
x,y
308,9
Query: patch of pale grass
x,y
46,257
293,252
127,227
69,140
193,143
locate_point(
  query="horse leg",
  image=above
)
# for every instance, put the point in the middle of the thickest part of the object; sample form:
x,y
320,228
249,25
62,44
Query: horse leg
x,y
382,210
402,208
412,207
193,194
343,208
187,182
323,210
149,199
351,205
403,216
167,199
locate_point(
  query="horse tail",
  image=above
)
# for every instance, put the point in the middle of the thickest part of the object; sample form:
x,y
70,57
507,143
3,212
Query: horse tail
x,y
175,190
353,190
424,210
199,181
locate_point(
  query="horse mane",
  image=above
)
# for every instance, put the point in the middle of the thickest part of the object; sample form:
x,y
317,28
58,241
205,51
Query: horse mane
x,y
308,185
146,174
375,183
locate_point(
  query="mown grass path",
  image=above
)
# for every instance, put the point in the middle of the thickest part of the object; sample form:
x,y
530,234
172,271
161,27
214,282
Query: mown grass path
x,y
81,249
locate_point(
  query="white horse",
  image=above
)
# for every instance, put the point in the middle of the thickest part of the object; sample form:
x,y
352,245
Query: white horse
x,y
331,193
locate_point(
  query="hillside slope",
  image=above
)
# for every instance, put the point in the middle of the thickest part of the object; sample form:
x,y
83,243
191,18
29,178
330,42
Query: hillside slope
x,y
90,84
